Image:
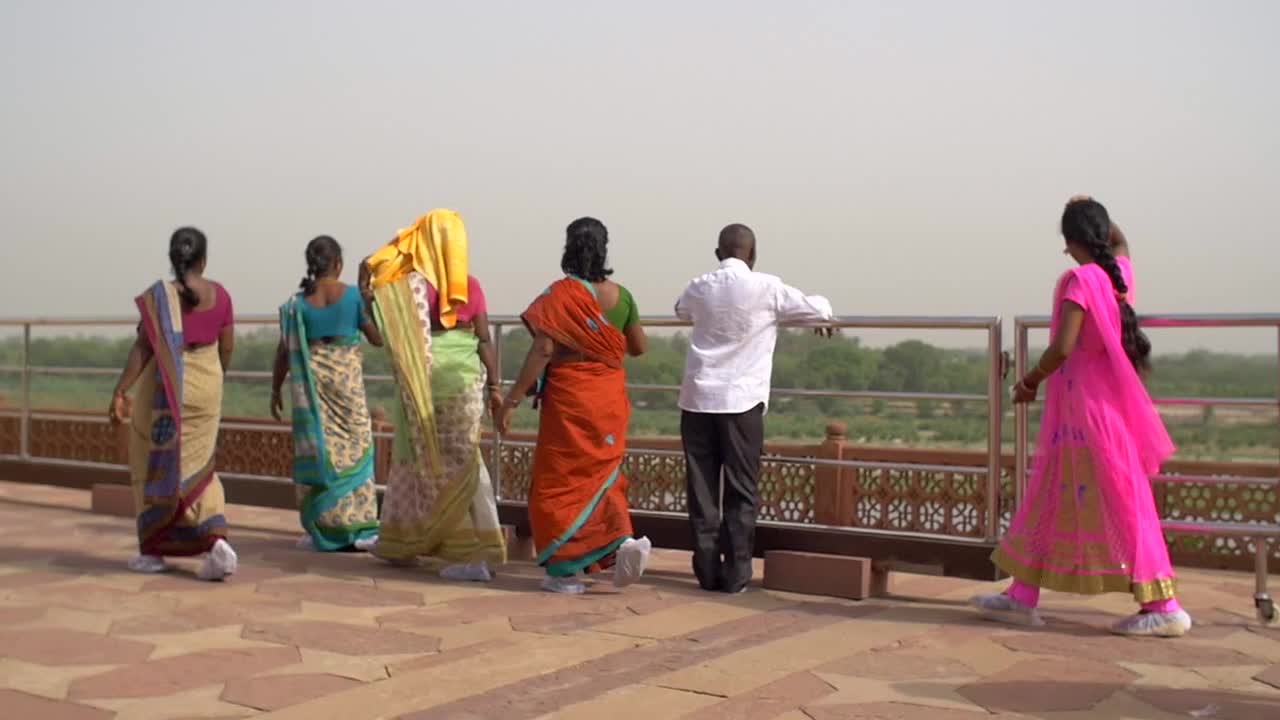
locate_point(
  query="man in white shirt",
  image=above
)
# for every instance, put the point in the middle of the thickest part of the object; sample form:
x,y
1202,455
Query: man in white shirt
x,y
735,313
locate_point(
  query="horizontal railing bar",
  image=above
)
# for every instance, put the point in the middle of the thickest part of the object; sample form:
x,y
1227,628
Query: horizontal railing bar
x,y
60,370
1244,402
1247,530
1178,320
231,374
888,322
1176,478
265,426
835,394
877,395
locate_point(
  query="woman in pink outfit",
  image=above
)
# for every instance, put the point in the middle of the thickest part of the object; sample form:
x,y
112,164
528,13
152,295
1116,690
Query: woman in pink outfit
x,y
1088,522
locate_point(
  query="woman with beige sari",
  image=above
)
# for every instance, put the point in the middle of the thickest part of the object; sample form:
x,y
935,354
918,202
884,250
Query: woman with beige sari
x,y
439,502
333,465
183,348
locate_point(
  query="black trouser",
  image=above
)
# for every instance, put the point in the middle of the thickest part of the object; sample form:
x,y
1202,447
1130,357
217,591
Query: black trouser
x,y
717,445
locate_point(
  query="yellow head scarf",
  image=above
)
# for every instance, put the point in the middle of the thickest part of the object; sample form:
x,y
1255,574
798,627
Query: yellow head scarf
x,y
435,246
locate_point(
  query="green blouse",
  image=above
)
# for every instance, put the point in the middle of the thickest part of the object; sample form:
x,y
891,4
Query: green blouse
x,y
624,313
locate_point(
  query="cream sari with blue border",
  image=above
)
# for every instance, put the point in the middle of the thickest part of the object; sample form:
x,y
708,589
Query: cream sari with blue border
x,y
174,432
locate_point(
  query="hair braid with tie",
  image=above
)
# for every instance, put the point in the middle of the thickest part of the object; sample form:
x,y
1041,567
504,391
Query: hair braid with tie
x,y
187,249
323,255
1087,224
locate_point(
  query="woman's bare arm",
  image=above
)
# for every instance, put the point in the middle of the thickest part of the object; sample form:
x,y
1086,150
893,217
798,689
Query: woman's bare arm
x,y
372,333
488,356
489,359
1119,243
535,363
1061,346
637,341
226,346
279,372
139,356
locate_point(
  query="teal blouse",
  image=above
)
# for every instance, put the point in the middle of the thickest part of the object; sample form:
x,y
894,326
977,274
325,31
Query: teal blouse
x,y
339,320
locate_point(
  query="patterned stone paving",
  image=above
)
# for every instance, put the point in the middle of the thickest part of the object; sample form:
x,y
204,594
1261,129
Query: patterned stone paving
x,y
300,635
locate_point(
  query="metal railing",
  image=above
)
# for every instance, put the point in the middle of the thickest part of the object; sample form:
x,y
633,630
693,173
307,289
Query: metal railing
x,y
500,325
1260,533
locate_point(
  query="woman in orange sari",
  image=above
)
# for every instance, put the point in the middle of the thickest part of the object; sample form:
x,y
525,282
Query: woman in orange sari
x,y
583,327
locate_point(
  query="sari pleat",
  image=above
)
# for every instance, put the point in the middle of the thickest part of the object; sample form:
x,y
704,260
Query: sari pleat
x,y
173,436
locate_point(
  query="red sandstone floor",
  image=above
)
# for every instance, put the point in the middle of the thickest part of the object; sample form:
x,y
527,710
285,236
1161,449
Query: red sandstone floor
x,y
300,635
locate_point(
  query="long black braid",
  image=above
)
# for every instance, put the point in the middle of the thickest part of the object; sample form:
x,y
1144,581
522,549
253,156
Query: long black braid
x,y
323,255
1087,224
187,249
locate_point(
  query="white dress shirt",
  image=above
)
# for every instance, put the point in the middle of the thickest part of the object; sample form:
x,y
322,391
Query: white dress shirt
x,y
735,314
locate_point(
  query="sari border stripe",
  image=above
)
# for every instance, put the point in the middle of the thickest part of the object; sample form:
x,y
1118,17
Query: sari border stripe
x,y
567,568
545,555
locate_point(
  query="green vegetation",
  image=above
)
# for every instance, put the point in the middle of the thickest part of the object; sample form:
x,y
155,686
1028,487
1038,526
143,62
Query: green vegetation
x,y
802,361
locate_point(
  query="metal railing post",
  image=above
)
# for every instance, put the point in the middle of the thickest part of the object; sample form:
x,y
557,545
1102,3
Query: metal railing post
x,y
24,433
1020,416
497,436
995,422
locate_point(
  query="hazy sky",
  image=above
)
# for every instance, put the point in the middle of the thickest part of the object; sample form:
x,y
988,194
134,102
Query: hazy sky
x,y
900,157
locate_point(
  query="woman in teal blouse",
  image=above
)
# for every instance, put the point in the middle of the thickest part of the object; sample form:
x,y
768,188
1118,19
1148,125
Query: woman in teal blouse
x,y
320,329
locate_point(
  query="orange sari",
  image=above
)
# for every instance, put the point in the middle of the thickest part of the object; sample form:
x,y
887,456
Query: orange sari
x,y
578,498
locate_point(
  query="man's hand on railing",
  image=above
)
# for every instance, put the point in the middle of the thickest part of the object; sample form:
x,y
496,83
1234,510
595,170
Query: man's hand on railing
x,y
827,331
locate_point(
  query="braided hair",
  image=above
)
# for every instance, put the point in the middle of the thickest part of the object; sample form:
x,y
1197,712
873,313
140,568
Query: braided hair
x,y
586,250
323,255
187,249
1087,224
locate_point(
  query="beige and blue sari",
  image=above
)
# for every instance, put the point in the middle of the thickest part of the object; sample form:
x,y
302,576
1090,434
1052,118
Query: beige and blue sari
x,y
439,501
174,432
333,464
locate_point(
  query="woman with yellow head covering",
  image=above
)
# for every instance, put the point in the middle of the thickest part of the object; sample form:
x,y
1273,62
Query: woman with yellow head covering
x,y
439,501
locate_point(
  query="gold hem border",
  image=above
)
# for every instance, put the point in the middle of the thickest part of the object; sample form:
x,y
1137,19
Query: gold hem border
x,y
1145,592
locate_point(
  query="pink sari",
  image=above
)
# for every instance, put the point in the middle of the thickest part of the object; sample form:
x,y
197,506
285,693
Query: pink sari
x,y
1088,523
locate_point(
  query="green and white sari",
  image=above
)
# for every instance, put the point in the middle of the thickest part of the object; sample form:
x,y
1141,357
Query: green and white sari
x,y
439,501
